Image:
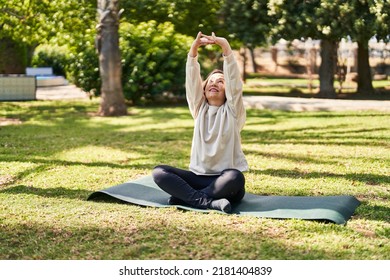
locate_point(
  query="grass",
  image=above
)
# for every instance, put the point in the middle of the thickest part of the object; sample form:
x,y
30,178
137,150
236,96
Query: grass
x,y
284,86
54,154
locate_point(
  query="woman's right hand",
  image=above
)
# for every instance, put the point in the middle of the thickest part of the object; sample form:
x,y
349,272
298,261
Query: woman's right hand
x,y
200,40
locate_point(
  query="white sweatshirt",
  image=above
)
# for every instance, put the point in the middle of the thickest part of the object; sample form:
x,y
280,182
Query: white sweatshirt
x,y
216,143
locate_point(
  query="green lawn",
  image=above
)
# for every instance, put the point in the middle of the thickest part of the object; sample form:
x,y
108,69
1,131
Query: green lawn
x,y
61,152
263,85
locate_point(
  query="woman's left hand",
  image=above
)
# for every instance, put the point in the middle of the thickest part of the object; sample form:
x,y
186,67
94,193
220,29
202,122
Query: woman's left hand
x,y
220,41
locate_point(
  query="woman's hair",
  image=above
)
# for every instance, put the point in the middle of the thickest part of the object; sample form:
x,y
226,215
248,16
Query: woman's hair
x,y
208,77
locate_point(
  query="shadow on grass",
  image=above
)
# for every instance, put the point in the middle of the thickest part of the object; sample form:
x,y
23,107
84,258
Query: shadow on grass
x,y
285,156
284,115
57,127
369,179
40,143
373,212
370,212
158,239
284,89
48,192
314,135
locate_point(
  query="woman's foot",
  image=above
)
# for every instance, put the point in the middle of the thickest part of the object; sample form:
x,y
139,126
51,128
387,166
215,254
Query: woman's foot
x,y
176,201
221,205
217,204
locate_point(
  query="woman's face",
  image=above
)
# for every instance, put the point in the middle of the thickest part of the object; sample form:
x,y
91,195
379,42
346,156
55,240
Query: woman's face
x,y
215,90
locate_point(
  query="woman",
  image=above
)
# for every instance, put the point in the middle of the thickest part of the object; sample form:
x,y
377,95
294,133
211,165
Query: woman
x,y
214,179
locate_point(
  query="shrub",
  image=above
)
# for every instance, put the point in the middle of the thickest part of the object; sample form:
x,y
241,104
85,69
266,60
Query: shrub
x,y
154,58
51,56
78,64
83,67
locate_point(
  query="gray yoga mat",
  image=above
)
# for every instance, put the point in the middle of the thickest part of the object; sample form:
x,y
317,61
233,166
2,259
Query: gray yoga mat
x,y
337,209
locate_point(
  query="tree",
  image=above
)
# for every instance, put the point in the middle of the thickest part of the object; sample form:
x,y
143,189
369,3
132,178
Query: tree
x,y
247,21
330,21
20,33
26,24
367,19
13,56
317,20
112,99
188,16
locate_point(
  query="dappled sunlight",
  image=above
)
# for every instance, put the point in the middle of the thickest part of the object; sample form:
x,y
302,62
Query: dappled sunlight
x,y
307,132
91,153
62,152
75,229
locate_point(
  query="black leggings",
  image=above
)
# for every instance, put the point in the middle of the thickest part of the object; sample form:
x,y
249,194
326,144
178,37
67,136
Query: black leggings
x,y
200,190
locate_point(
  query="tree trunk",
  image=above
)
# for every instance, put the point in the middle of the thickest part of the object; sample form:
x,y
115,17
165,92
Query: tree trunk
x,y
243,54
364,78
112,99
13,57
253,57
327,68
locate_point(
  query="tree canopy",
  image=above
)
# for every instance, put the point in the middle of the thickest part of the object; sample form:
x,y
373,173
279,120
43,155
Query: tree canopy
x,y
188,16
35,22
329,21
29,23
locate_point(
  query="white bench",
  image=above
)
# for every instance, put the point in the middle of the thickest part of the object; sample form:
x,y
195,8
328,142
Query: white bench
x,y
39,71
45,77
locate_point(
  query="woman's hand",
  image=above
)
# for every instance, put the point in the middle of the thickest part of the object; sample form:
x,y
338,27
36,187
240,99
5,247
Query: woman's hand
x,y
203,40
220,41
200,40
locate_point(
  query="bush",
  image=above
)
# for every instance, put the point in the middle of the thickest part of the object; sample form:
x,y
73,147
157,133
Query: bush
x,y
83,67
154,58
51,56
79,64
153,61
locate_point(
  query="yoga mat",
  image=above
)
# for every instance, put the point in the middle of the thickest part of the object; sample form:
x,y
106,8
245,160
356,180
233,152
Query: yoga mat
x,y
337,209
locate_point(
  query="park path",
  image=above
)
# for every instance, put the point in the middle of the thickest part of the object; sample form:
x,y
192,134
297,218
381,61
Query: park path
x,y
60,93
313,104
258,102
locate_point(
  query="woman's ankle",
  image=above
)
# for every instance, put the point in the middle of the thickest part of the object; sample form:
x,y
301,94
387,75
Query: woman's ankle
x,y
222,205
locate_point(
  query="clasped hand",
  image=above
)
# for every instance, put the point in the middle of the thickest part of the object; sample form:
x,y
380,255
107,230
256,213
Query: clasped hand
x,y
203,40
